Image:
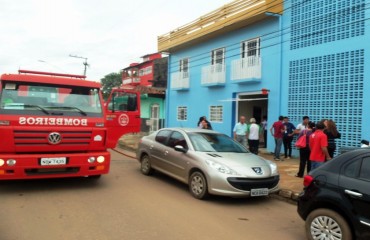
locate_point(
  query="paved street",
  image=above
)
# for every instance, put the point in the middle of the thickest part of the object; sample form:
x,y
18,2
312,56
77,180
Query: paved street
x,y
128,205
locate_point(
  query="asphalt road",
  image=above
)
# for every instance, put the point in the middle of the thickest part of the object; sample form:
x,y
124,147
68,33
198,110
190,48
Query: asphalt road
x,y
128,205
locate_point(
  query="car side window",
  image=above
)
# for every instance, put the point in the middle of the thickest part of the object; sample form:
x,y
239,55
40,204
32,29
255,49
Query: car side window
x,y
352,169
177,139
365,169
162,136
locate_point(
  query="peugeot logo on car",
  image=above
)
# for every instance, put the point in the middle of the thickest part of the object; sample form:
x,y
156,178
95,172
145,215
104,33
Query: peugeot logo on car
x,y
257,170
54,138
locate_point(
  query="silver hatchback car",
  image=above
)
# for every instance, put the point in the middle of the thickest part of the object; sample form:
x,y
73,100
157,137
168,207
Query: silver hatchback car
x,y
208,161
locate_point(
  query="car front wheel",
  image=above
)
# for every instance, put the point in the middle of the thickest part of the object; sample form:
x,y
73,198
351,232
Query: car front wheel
x,y
146,167
198,185
327,224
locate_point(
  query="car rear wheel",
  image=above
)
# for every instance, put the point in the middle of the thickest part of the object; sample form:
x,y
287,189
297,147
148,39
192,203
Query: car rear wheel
x,y
146,167
327,224
198,185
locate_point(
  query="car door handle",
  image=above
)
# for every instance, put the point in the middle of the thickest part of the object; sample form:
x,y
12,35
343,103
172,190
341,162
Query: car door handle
x,y
353,193
165,153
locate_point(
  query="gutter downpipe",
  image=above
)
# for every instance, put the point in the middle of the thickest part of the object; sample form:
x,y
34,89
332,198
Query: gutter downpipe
x,y
281,55
167,97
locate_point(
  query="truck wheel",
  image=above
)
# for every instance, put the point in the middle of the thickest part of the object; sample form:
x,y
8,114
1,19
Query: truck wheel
x,y
146,167
198,185
327,224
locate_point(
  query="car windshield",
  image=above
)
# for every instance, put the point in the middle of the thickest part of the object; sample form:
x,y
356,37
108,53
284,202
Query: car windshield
x,y
32,99
214,142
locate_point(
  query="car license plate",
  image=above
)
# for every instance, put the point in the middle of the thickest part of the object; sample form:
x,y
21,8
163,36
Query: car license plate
x,y
259,192
53,161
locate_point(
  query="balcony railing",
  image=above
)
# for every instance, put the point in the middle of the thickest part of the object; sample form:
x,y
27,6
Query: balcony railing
x,y
131,80
246,69
213,75
180,80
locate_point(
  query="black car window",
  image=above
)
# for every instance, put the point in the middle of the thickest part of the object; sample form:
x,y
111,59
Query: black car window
x,y
365,169
352,169
162,136
177,139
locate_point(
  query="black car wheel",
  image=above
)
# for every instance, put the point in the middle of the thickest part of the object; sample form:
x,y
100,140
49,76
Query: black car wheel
x,y
327,224
198,185
146,167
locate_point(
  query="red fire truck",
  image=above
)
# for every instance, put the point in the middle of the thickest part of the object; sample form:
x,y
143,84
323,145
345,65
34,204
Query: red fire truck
x,y
56,125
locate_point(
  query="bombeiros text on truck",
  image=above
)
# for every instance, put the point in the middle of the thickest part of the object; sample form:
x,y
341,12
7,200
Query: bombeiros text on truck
x,y
56,125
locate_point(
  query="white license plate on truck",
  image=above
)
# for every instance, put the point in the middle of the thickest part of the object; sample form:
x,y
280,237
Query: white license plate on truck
x,y
259,192
53,161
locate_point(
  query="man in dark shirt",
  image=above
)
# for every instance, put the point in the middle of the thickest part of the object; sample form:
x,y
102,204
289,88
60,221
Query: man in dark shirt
x,y
288,137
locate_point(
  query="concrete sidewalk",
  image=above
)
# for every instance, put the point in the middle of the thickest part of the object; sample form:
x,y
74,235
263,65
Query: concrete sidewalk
x,y
290,186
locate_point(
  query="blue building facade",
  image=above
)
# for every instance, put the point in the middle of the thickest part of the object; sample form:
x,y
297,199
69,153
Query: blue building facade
x,y
307,58
325,53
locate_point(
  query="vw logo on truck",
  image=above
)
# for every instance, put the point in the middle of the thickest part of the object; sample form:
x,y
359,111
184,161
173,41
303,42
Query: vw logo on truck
x,y
54,138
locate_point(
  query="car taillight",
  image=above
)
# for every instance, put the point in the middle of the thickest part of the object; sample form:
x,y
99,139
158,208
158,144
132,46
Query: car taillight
x,y
307,180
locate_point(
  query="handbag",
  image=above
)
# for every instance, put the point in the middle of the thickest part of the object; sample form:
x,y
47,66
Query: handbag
x,y
302,141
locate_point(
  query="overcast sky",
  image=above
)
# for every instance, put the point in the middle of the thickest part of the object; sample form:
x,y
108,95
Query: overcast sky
x,y
41,34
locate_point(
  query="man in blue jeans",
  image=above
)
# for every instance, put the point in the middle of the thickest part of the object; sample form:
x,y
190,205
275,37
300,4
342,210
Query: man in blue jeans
x,y
277,131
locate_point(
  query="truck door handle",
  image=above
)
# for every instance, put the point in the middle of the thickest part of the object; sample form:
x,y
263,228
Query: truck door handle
x,y
353,193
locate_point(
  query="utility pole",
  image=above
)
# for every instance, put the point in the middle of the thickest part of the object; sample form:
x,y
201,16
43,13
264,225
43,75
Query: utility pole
x,y
84,63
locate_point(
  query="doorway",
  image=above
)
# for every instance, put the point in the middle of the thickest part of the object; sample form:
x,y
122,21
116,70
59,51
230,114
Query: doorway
x,y
253,105
154,117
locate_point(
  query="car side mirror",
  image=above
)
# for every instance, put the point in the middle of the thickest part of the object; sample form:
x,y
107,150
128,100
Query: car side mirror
x,y
180,148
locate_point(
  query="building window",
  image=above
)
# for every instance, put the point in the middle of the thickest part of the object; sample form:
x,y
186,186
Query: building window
x,y
215,113
145,71
251,48
218,56
182,113
184,67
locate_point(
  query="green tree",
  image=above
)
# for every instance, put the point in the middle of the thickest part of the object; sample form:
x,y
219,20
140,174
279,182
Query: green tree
x,y
110,81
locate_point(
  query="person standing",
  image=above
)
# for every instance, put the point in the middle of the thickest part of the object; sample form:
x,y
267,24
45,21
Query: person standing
x,y
277,131
304,153
303,125
240,131
288,137
264,128
319,146
253,133
201,119
332,133
205,125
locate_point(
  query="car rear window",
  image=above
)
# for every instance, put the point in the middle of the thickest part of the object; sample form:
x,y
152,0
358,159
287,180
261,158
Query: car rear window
x,y
162,136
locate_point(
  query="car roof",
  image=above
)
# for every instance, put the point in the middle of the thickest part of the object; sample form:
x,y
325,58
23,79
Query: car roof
x,y
190,130
335,164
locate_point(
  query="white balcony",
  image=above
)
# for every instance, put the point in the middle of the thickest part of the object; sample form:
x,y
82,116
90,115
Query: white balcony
x,y
131,80
246,69
213,75
180,80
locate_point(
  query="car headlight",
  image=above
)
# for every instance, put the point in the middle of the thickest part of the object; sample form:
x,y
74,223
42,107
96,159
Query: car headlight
x,y
221,168
273,167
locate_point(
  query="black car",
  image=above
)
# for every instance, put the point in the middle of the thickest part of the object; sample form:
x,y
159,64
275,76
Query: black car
x,y
335,202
